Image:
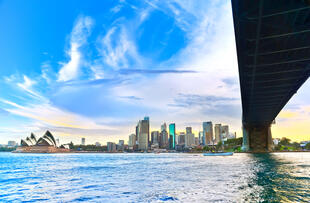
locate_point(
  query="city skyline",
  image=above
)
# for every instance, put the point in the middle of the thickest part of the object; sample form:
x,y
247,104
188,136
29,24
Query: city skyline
x,y
99,71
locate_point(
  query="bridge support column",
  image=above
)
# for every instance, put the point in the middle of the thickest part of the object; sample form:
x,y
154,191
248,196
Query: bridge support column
x,y
257,138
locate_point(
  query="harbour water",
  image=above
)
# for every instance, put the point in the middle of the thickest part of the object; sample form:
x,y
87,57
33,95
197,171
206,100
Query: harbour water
x,y
272,177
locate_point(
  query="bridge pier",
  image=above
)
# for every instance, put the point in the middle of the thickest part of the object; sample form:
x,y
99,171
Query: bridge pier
x,y
257,138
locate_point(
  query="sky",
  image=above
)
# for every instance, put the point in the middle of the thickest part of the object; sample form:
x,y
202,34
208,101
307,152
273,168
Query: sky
x,y
94,68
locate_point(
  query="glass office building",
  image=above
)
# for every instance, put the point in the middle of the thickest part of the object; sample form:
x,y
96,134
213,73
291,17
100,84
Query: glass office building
x,y
172,136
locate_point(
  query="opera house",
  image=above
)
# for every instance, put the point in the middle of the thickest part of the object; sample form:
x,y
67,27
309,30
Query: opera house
x,y
45,144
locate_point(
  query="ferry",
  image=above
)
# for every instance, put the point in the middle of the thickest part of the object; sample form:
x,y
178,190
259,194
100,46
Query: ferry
x,y
218,154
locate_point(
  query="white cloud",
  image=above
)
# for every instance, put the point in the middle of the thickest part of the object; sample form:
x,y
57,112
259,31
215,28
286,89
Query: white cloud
x,y
118,49
79,34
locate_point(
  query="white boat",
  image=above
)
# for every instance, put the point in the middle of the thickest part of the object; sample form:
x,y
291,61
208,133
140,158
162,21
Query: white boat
x,y
218,154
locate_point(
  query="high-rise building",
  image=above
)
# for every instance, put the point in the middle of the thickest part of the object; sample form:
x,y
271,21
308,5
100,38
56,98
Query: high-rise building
x,y
207,129
143,134
224,132
163,141
217,130
111,147
200,137
98,144
83,141
189,137
155,137
181,138
163,127
188,130
132,141
172,136
121,145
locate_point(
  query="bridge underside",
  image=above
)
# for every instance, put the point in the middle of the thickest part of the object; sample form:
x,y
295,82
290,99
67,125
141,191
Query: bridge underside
x,y
273,48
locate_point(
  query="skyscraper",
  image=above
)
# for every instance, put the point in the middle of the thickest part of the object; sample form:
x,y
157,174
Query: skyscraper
x,y
188,130
207,129
155,137
163,137
200,137
224,132
189,137
217,130
83,141
172,136
132,141
143,134
181,137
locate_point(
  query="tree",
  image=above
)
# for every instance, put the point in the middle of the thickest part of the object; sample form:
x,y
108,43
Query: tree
x,y
308,146
284,141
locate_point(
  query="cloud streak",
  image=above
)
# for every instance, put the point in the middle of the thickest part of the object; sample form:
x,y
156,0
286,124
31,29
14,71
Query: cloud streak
x,y
79,34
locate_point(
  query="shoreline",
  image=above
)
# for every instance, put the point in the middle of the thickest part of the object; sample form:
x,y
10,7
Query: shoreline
x,y
100,152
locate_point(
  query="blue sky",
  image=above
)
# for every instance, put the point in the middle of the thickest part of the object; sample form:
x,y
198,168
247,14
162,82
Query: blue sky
x,y
93,69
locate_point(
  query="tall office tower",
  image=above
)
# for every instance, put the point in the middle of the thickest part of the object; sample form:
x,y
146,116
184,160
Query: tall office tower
x,y
224,132
163,127
217,130
137,132
143,134
207,128
189,138
181,138
132,141
200,138
164,141
172,136
188,130
155,137
83,141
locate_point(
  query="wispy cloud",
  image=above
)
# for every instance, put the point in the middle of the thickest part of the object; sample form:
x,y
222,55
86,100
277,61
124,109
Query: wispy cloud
x,y
131,98
117,49
79,34
156,71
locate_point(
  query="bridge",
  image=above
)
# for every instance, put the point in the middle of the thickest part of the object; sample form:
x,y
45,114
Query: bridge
x,y
273,49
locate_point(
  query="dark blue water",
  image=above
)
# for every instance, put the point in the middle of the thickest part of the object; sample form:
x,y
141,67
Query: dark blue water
x,y
154,178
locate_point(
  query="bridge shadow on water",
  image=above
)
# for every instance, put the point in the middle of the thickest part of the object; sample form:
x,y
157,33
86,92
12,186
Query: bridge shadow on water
x,y
278,179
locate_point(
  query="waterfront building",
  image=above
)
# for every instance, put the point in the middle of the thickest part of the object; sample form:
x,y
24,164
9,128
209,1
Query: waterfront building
x,y
83,141
12,144
98,144
181,138
143,134
172,136
163,141
189,138
207,129
224,132
111,147
155,137
45,144
121,145
132,141
217,130
200,137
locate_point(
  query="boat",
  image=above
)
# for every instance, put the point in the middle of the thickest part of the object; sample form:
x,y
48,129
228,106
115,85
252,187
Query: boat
x,y
218,154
